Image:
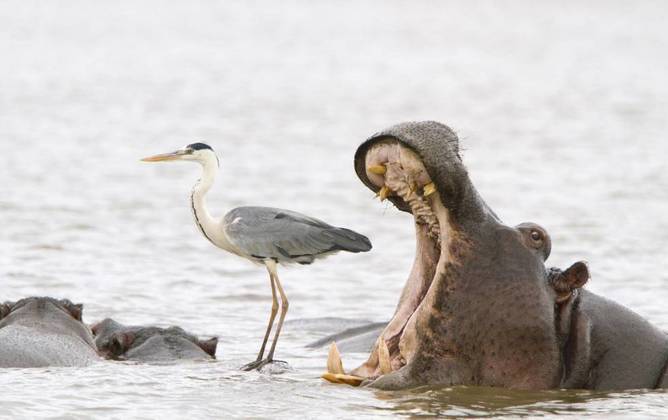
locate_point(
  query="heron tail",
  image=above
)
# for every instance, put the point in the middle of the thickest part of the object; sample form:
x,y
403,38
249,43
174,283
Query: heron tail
x,y
348,240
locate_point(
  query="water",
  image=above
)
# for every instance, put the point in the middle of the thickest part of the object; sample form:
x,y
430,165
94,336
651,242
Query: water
x,y
562,113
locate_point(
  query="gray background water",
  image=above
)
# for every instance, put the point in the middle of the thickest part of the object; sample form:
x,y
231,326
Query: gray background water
x,y
561,109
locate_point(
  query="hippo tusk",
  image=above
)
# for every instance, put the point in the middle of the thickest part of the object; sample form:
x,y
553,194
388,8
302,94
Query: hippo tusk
x,y
377,169
334,363
429,189
384,357
343,379
335,373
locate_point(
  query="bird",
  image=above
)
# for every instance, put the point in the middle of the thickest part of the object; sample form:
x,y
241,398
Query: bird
x,y
263,235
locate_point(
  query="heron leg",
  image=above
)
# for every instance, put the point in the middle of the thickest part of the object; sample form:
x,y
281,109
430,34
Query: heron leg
x,y
272,317
274,309
284,310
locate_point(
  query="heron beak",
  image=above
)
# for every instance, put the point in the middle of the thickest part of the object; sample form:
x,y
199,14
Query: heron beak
x,y
164,157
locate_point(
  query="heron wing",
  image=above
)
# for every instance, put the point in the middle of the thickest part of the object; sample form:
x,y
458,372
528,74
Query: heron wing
x,y
287,236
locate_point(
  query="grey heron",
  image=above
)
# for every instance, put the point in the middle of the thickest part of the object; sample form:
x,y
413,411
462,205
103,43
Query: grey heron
x,y
262,235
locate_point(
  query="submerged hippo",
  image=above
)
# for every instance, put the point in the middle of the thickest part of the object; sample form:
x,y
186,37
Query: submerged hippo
x,y
480,307
150,344
43,331
357,339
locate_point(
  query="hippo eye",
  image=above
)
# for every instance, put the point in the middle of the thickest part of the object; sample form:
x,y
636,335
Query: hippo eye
x,y
536,236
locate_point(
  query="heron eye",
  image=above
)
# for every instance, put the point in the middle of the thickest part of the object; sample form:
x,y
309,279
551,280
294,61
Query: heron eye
x,y
536,236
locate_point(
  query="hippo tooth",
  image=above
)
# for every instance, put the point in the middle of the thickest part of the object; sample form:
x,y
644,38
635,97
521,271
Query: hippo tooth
x,y
335,373
334,363
384,193
429,189
377,169
338,378
384,357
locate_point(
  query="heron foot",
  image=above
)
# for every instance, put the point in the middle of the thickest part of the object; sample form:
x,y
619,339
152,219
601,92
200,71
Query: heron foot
x,y
257,364
277,366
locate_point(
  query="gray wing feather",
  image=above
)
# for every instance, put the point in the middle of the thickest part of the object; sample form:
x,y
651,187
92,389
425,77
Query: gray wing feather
x,y
284,235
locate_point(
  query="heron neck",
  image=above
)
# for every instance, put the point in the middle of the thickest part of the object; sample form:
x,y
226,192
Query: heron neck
x,y
205,222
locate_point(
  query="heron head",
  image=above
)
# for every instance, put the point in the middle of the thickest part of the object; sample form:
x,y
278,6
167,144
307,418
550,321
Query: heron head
x,y
198,152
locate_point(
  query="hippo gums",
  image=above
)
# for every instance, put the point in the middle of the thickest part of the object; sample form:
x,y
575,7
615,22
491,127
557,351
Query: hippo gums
x,y
479,306
150,344
42,331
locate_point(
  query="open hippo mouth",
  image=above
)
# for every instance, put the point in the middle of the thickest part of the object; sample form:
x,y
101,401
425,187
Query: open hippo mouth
x,y
432,336
396,172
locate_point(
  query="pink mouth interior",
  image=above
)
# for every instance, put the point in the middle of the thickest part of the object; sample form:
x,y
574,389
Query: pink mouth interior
x,y
406,178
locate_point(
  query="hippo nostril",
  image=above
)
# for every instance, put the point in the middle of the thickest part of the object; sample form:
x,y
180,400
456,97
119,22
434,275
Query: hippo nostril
x,y
120,343
116,347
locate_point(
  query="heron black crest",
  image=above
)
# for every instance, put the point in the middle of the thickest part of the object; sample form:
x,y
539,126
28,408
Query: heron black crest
x,y
199,146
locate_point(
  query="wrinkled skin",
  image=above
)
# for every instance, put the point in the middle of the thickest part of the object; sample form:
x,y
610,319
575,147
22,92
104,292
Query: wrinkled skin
x,y
42,331
480,307
150,344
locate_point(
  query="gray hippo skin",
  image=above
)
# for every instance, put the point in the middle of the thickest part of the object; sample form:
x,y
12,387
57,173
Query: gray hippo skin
x,y
150,344
359,339
480,307
605,345
42,331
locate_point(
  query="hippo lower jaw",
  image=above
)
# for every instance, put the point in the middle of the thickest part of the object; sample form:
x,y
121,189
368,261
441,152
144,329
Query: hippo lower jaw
x,y
399,173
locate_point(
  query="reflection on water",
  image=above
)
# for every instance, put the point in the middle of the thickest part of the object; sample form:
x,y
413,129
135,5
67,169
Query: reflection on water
x,y
488,402
562,113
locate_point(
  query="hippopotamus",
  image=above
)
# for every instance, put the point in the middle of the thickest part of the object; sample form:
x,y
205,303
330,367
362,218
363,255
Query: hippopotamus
x,y
480,307
43,331
150,344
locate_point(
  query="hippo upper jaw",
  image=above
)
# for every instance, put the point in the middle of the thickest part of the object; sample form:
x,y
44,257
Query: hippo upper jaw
x,y
433,151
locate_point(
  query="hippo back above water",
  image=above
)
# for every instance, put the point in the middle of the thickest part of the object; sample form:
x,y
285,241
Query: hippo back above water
x,y
43,331
151,344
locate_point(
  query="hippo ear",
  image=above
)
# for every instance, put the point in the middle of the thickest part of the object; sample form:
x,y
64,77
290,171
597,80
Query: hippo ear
x,y
577,274
5,309
565,282
76,310
209,346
